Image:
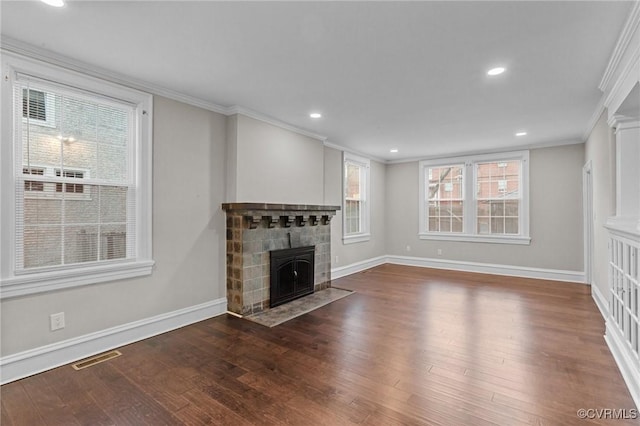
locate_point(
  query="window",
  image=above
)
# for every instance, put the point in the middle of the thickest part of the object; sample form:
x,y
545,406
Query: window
x,y
356,199
46,188
481,198
77,188
31,185
78,209
498,198
38,107
33,105
446,198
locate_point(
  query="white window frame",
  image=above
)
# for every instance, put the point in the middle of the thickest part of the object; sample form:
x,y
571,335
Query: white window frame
x,y
365,226
15,283
469,233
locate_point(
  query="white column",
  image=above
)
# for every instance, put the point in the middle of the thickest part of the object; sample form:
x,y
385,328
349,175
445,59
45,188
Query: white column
x,y
627,132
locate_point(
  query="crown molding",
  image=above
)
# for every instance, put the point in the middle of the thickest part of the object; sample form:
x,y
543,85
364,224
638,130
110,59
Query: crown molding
x,y
629,29
594,119
11,45
351,151
624,83
623,122
237,109
552,144
21,48
540,145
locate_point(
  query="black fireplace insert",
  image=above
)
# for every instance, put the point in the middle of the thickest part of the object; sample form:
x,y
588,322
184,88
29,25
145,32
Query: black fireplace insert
x,y
292,274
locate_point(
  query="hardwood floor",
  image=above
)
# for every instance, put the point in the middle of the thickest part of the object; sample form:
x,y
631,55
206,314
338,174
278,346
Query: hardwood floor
x,y
412,346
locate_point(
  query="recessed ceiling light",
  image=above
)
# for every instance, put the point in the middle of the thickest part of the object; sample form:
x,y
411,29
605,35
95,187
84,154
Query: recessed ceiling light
x,y
393,150
496,71
521,134
54,3
315,115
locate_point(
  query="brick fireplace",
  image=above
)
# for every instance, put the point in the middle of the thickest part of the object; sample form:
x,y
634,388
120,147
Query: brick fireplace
x,y
254,230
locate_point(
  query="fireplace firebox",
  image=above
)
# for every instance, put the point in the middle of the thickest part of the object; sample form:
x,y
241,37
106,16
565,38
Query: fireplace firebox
x,y
292,274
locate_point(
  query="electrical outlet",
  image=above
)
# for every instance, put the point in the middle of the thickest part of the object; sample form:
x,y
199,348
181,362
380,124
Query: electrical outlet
x,y
439,252
337,260
57,321
408,248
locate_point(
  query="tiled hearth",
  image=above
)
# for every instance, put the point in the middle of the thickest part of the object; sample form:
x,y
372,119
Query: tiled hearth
x,y
254,229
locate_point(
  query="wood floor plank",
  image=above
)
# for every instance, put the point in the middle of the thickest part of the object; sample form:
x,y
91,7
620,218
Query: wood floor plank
x,y
209,411
50,406
120,398
4,415
19,409
76,397
412,346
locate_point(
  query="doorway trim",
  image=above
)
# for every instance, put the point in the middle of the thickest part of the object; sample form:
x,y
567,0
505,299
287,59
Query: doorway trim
x,y
587,222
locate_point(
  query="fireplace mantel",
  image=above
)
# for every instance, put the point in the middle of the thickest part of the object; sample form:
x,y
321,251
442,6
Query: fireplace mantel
x,y
278,207
255,229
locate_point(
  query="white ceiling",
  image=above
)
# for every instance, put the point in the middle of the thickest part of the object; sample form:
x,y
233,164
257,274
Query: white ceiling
x,y
406,75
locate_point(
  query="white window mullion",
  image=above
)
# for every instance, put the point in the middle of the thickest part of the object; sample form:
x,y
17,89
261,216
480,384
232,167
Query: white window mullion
x,y
470,202
98,190
524,194
16,233
63,202
134,216
63,226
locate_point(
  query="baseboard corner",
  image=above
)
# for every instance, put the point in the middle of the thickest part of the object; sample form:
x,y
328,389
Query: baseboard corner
x,y
600,300
488,268
356,267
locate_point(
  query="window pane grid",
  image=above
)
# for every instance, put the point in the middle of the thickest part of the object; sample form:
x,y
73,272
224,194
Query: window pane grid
x,y
354,198
73,207
445,195
498,197
352,216
76,231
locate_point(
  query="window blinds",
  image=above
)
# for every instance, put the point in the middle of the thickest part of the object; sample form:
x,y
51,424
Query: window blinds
x,y
75,183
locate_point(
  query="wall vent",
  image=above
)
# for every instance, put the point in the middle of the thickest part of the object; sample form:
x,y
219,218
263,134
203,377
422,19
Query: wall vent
x,y
89,362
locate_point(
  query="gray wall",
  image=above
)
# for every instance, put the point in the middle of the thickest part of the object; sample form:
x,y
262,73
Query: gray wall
x,y
231,165
555,216
188,241
276,165
356,252
600,150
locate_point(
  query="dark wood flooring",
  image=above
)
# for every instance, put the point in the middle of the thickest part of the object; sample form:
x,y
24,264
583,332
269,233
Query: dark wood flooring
x,y
412,346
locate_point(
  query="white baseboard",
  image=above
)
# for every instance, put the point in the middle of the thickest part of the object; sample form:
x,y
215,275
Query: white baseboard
x,y
488,268
343,271
457,265
628,367
33,361
601,301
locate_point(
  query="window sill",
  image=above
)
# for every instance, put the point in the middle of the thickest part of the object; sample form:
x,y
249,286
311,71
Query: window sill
x,y
511,239
40,282
352,239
